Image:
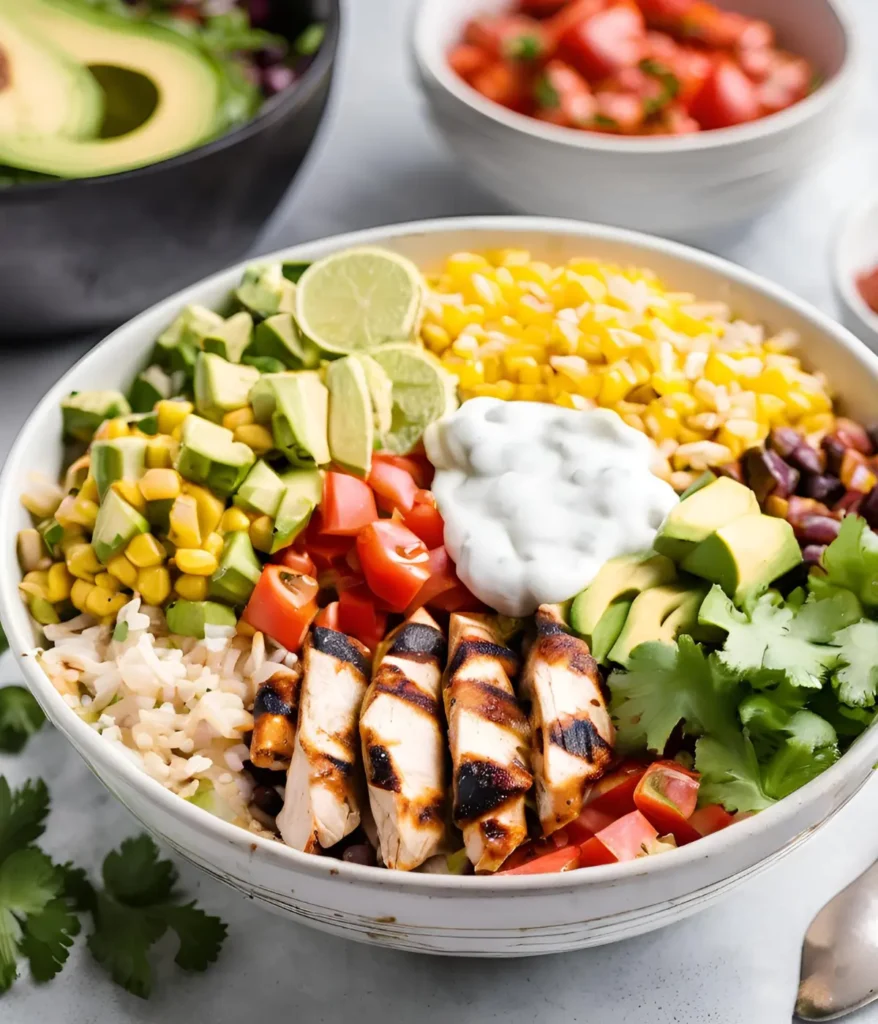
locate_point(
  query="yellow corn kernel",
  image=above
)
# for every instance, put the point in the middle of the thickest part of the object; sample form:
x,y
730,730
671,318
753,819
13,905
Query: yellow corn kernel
x,y
469,375
797,405
79,593
72,535
89,489
30,549
615,385
184,530
669,383
117,428
121,569
210,509
532,393
108,582
159,452
159,484
170,414
192,588
39,578
76,511
260,533
570,401
721,368
818,423
460,266
530,373
130,492
144,550
256,436
41,610
234,520
456,319
82,561
436,337
196,562
154,584
214,544
102,602
59,583
682,403
239,418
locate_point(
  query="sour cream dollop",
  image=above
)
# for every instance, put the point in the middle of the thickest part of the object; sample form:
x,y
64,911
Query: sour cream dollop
x,y
536,497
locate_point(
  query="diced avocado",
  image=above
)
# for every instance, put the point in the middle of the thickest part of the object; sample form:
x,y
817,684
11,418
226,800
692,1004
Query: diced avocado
x,y
188,618
299,420
207,798
261,491
150,387
380,391
703,512
660,613
210,455
265,291
118,523
231,339
121,459
82,412
239,569
707,477
618,579
145,422
262,396
264,364
221,386
745,556
52,533
351,428
303,489
279,338
158,513
293,270
607,631
178,345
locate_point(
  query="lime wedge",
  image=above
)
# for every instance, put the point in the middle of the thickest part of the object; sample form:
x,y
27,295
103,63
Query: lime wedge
x,y
354,300
422,392
380,391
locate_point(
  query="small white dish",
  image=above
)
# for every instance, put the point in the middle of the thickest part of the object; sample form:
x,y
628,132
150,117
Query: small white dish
x,y
684,186
855,251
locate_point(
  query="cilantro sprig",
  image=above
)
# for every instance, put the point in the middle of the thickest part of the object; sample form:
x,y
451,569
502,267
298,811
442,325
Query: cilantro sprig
x,y
138,902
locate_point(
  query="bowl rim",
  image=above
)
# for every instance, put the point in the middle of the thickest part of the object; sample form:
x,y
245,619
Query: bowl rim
x,y
433,66
274,109
843,273
108,761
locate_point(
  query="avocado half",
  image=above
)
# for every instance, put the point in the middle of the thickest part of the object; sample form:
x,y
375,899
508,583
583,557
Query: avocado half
x,y
63,49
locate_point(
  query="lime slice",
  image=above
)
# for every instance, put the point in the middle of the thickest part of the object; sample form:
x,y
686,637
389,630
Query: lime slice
x,y
380,390
422,392
354,300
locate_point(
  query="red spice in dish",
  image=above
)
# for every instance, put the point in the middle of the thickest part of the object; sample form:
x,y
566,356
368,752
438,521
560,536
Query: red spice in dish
x,y
631,67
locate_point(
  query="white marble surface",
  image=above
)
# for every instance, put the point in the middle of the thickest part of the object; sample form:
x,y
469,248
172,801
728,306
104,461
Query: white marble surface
x,y
378,162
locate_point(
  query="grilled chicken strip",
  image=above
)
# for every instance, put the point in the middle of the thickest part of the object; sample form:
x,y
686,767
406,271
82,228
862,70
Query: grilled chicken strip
x,y
572,734
403,736
274,719
489,737
324,789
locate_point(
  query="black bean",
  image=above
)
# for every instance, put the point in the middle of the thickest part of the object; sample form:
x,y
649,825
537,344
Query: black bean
x,y
264,776
834,451
807,459
268,800
361,853
784,440
822,487
869,508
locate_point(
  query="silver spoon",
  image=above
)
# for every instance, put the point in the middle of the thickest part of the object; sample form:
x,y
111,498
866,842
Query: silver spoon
x,y
840,954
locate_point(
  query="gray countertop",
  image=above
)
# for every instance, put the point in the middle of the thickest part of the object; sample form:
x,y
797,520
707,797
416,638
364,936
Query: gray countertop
x,y
378,161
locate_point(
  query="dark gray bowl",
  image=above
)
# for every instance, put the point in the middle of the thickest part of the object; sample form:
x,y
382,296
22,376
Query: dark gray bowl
x,y
76,256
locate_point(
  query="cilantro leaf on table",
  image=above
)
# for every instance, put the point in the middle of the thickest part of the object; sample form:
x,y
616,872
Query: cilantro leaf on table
x,y
200,935
776,642
856,678
666,684
851,563
20,717
4,643
48,937
730,773
22,815
120,942
134,875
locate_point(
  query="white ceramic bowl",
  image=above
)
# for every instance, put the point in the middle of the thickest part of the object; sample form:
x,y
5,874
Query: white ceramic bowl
x,y
856,250
684,187
477,916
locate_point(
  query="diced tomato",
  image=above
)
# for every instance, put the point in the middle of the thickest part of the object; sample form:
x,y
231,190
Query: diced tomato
x,y
588,824
563,96
394,486
550,862
424,520
395,561
593,852
666,796
619,111
509,37
299,561
328,617
710,818
626,837
712,27
541,8
415,463
674,120
606,42
787,81
348,504
282,606
503,83
468,60
867,285
664,13
360,617
614,793
726,98
458,599
571,14
442,578
325,549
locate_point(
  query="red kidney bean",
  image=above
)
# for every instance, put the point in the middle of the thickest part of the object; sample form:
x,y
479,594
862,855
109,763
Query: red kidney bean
x,y
784,440
800,508
834,451
813,553
852,435
807,459
868,508
822,487
360,853
767,473
818,529
849,503
270,55
277,78
733,470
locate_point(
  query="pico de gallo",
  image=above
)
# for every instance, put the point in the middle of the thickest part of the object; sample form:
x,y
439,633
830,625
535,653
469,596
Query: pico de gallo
x,y
631,67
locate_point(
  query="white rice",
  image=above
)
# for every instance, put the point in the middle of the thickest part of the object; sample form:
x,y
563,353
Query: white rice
x,y
176,707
